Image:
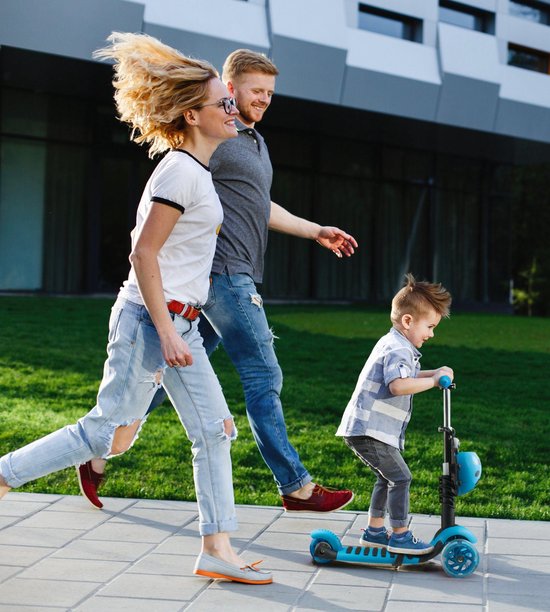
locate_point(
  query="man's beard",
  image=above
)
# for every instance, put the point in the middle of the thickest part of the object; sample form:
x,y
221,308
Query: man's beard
x,y
248,119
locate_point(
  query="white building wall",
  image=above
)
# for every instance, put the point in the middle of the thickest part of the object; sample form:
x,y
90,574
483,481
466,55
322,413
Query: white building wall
x,y
453,76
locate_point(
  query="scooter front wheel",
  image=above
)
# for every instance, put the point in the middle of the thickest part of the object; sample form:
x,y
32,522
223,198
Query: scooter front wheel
x,y
459,558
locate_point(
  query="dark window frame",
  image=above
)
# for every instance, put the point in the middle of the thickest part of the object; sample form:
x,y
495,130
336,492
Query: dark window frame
x,y
412,26
543,8
535,53
485,20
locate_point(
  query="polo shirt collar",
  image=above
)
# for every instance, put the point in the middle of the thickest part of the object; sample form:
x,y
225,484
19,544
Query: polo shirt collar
x,y
241,127
417,354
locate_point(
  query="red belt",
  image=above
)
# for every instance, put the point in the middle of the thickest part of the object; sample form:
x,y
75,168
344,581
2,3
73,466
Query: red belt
x,y
184,310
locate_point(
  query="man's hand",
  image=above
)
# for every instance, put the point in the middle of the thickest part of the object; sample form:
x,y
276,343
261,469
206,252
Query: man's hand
x,y
337,241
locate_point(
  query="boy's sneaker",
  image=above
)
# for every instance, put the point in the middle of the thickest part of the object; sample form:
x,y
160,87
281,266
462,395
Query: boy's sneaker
x,y
89,482
322,500
379,539
407,543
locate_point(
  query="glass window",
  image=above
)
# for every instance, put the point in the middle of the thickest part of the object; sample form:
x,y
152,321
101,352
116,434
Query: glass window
x,y
466,16
530,59
389,24
533,11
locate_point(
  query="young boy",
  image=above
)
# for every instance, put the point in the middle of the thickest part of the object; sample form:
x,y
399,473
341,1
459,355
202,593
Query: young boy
x,y
376,417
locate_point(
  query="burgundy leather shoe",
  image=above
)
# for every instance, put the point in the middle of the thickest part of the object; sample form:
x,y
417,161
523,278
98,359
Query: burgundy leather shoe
x,y
90,482
322,500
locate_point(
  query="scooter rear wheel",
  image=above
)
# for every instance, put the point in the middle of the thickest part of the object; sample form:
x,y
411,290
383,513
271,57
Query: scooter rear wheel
x,y
459,558
322,551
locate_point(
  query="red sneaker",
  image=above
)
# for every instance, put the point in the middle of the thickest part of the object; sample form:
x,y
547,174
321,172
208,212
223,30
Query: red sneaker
x,y
321,500
90,482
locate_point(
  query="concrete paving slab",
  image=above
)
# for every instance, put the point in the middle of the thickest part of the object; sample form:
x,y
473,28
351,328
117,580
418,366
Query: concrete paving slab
x,y
166,565
130,533
258,514
139,555
343,575
12,507
77,503
426,606
518,564
518,546
300,526
155,517
64,520
10,608
30,536
124,604
247,601
280,559
298,541
502,528
43,498
408,587
115,550
45,593
6,521
80,570
326,597
520,603
7,571
181,588
23,556
180,545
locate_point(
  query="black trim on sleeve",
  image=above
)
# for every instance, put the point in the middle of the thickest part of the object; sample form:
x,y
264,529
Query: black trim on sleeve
x,y
168,203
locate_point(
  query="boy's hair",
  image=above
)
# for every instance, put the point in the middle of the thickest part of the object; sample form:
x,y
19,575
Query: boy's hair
x,y
418,297
245,60
154,84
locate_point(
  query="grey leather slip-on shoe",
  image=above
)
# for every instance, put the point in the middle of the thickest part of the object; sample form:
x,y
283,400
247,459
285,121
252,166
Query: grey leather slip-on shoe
x,y
211,567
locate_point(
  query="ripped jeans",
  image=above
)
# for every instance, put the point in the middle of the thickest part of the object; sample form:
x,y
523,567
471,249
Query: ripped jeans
x,y
234,315
133,371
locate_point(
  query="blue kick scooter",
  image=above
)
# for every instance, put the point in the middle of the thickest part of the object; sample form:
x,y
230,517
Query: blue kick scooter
x,y
455,544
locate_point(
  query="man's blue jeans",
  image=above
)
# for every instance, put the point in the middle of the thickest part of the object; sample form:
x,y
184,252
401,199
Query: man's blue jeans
x,y
234,315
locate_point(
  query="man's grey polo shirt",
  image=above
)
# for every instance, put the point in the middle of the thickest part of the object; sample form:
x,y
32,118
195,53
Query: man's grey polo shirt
x,y
242,175
372,410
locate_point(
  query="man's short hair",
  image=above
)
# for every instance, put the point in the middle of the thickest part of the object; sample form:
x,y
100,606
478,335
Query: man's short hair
x,y
418,298
242,61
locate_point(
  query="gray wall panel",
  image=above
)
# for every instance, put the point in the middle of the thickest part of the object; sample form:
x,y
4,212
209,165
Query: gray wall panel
x,y
309,70
523,120
73,28
384,93
467,102
210,48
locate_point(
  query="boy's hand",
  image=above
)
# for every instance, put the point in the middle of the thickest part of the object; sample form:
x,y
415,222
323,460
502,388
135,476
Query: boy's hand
x,y
443,371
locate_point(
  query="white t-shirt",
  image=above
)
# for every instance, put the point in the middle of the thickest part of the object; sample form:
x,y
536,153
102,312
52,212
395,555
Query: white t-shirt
x,y
185,259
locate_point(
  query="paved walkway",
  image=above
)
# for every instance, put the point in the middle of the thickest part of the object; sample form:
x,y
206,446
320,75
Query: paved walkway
x,y
58,553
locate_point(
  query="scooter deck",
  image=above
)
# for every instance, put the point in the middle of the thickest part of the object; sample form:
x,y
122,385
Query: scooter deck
x,y
380,556
371,556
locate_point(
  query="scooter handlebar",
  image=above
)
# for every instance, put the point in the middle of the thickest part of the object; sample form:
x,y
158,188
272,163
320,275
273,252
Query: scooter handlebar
x,y
445,382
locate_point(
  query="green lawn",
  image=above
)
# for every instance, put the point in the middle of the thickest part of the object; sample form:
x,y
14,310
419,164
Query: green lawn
x,y
51,356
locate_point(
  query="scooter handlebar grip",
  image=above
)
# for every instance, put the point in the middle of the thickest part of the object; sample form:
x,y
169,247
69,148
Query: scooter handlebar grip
x,y
445,382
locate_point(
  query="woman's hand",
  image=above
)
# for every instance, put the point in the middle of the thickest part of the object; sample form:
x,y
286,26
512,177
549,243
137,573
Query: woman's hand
x,y
175,350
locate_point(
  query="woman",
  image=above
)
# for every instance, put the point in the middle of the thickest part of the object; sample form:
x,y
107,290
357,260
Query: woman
x,y
175,104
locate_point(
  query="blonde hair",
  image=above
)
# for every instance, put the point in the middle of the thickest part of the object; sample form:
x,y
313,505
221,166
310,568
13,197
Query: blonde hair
x,y
245,60
418,297
154,84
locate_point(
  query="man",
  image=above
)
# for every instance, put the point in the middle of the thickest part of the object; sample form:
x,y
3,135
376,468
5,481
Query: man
x,y
234,314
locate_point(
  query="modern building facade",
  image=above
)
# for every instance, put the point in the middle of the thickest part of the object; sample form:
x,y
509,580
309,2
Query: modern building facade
x,y
402,121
